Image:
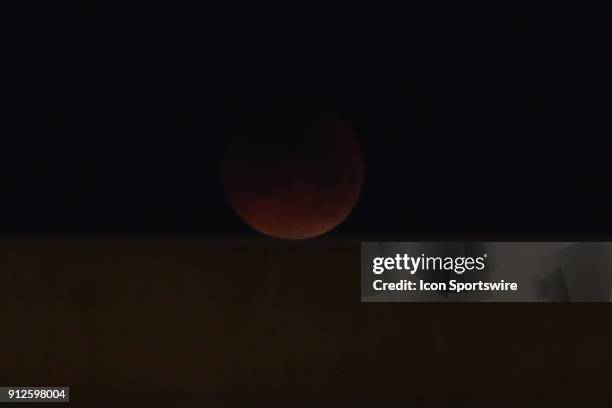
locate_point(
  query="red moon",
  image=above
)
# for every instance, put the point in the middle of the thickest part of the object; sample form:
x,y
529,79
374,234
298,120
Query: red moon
x,y
296,177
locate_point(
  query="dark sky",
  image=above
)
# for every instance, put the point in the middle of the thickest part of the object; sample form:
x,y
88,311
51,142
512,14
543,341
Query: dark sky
x,y
475,120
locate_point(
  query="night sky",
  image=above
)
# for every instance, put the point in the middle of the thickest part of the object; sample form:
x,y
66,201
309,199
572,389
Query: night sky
x,y
478,122
484,120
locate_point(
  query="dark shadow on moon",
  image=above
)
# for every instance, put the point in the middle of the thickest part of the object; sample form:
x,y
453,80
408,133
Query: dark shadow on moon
x,y
294,171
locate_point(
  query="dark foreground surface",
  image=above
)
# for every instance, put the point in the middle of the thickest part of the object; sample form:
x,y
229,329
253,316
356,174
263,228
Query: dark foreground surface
x,y
179,322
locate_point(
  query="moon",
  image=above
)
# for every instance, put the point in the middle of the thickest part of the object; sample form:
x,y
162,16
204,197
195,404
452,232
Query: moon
x,y
294,174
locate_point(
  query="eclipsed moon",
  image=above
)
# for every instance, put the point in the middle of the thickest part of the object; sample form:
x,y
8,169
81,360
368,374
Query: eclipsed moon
x,y
294,175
